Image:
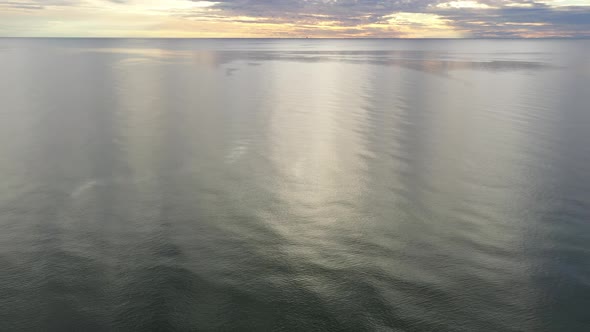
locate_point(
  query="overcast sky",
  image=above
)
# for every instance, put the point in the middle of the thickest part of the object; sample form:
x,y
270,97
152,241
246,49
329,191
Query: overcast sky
x,y
296,18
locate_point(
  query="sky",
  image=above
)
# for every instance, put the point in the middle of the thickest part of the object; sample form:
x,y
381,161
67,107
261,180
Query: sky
x,y
296,18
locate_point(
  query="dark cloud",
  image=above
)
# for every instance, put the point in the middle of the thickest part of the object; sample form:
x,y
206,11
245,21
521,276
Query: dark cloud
x,y
346,12
505,18
515,21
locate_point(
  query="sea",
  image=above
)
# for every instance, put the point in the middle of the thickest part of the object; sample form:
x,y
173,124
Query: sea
x,y
294,185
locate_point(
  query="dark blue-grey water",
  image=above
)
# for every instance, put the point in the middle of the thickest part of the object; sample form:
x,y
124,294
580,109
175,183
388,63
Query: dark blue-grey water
x,y
294,185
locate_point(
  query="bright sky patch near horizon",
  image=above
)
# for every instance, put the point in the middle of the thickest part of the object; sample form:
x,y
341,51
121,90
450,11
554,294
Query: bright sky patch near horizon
x,y
295,18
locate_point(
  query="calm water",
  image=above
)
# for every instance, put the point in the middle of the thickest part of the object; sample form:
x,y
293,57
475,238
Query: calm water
x,y
281,185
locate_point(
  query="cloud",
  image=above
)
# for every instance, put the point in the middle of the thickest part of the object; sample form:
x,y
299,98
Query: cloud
x,y
499,18
336,18
526,19
28,5
42,4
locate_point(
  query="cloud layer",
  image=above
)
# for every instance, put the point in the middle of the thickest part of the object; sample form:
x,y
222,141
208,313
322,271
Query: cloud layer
x,y
296,18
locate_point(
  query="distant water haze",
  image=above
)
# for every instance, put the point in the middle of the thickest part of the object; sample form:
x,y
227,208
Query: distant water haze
x,y
294,185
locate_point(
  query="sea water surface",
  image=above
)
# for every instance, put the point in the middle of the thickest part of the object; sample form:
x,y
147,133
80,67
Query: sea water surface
x,y
294,185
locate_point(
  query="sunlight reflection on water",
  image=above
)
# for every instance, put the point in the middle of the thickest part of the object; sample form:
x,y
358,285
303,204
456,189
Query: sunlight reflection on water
x,y
294,185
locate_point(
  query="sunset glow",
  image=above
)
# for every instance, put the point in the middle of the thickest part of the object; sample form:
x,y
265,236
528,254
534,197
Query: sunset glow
x,y
298,18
